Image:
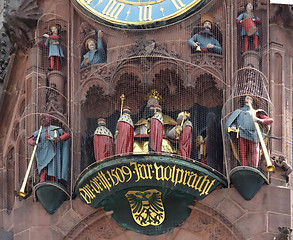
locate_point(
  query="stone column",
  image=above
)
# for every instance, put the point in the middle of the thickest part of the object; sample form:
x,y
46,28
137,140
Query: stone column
x,y
56,98
251,59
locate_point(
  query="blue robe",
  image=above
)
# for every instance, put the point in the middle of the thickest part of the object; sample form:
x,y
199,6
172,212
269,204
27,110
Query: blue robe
x,y
97,55
57,161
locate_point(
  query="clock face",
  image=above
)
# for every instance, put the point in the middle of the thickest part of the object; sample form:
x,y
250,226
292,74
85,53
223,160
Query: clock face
x,y
140,14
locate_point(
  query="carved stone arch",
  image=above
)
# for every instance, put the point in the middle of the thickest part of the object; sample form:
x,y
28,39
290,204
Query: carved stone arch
x,y
167,74
88,84
206,85
203,223
130,68
127,80
199,71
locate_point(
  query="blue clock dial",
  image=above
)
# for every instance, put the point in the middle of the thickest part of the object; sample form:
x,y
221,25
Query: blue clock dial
x,y
139,13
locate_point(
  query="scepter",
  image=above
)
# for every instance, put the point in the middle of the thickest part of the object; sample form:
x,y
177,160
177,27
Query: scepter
x,y
122,97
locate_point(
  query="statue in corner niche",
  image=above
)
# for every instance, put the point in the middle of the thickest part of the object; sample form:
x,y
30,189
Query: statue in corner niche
x,y
204,40
242,121
96,52
53,42
249,30
52,153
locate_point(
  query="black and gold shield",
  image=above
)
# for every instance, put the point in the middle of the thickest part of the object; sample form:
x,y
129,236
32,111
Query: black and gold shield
x,y
146,207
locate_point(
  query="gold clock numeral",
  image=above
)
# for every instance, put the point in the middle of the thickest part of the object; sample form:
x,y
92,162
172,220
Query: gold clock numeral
x,y
178,4
89,1
113,9
145,13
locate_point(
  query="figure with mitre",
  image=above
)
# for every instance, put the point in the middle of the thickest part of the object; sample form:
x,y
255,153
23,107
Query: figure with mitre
x,y
243,121
103,141
52,152
204,40
248,22
125,132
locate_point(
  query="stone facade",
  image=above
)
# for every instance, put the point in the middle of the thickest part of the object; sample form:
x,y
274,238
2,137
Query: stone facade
x,y
136,62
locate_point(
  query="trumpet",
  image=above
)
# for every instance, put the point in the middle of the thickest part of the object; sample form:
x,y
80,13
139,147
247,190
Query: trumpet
x,y
21,191
270,167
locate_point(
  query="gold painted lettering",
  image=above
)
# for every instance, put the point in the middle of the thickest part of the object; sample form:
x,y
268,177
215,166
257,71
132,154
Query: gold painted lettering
x,y
159,172
145,13
178,4
136,170
167,175
122,179
191,174
206,191
87,193
128,172
114,175
84,194
105,180
198,180
95,185
143,171
110,176
185,175
113,9
177,175
173,173
102,180
149,166
203,181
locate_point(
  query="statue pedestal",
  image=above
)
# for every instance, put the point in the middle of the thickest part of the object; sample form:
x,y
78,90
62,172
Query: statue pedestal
x,y
56,97
251,59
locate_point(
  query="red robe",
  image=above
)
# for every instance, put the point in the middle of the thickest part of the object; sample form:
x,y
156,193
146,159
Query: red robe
x,y
185,140
103,143
125,139
156,133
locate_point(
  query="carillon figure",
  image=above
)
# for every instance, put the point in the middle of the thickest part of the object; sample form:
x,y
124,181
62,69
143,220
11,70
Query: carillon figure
x,y
53,42
156,130
248,22
124,134
243,122
184,131
52,152
96,52
103,141
204,40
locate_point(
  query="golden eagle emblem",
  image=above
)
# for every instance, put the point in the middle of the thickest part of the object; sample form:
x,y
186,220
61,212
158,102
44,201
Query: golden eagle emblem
x,y
146,207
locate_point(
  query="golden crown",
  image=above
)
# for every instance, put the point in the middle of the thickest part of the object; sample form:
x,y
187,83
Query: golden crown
x,y
154,94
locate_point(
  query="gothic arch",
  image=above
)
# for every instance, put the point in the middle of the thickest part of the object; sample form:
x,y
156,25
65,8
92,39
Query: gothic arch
x,y
203,223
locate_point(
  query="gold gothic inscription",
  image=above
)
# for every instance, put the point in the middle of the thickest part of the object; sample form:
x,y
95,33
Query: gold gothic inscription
x,y
105,180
